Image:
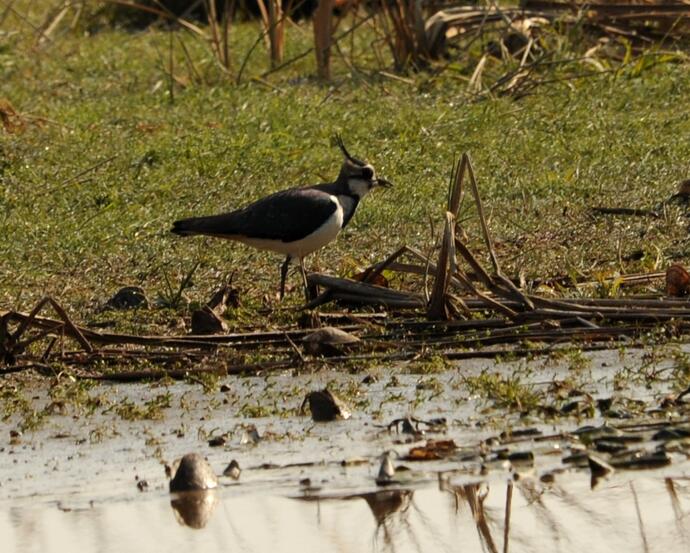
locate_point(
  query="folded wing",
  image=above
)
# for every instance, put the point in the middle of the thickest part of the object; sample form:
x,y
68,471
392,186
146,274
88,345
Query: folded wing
x,y
286,216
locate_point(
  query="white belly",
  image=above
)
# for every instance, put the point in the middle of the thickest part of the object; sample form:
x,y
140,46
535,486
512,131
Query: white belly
x,y
323,235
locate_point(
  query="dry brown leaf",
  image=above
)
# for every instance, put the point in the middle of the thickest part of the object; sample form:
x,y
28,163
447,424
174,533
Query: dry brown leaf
x,y
9,118
433,450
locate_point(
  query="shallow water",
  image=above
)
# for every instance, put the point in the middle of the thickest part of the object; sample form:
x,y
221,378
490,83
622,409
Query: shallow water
x,y
647,514
72,483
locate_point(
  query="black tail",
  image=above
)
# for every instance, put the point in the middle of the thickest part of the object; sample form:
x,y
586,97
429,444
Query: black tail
x,y
224,225
184,227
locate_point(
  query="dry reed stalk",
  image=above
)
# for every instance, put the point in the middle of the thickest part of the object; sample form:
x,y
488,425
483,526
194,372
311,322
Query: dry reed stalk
x,y
404,31
456,189
191,67
263,10
72,330
363,291
51,22
323,36
475,83
438,303
220,31
503,282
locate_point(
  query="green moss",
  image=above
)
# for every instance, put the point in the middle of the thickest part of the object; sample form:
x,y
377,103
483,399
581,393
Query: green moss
x,y
149,410
506,392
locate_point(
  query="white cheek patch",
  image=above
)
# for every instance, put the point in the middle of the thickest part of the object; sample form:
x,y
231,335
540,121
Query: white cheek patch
x,y
359,187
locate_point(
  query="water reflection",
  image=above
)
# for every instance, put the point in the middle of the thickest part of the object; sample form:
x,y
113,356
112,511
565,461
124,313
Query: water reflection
x,y
620,514
194,508
474,495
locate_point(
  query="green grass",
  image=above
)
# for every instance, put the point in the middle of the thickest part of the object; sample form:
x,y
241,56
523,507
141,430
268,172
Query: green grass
x,y
103,102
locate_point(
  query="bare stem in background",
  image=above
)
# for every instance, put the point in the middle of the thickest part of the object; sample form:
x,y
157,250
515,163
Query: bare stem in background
x,y
276,31
323,34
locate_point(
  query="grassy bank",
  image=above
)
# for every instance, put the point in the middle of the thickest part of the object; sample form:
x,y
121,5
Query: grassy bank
x,y
102,159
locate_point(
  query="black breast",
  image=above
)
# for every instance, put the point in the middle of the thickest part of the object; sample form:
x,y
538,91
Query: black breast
x,y
349,203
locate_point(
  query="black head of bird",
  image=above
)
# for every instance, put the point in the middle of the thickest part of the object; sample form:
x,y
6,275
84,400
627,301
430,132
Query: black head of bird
x,y
359,176
297,221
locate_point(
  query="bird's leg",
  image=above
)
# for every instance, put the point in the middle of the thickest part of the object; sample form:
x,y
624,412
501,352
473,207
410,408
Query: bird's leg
x,y
283,276
307,295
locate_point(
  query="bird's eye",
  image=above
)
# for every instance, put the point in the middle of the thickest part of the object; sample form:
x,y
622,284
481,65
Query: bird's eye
x,y
367,173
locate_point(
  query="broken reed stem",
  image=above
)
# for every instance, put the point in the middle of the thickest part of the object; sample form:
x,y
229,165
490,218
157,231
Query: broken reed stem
x,y
489,282
437,308
258,368
375,270
457,190
212,17
490,302
475,337
189,61
74,332
482,219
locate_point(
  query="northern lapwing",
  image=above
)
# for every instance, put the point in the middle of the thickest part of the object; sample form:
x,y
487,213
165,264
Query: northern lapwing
x,y
293,222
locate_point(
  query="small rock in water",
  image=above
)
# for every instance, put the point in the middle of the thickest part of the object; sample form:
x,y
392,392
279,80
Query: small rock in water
x,y
142,485
129,297
329,341
386,470
193,473
250,435
218,441
325,406
233,470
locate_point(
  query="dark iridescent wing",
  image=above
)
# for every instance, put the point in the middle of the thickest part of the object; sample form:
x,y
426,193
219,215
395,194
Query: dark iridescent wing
x,y
287,216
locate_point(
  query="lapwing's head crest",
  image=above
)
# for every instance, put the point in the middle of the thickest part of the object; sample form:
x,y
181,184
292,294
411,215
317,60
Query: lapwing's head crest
x,y
359,175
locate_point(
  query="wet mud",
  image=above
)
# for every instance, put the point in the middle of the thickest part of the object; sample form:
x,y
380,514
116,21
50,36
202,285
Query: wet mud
x,y
588,451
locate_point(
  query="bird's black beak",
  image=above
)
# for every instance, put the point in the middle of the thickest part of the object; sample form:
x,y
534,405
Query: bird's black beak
x,y
384,183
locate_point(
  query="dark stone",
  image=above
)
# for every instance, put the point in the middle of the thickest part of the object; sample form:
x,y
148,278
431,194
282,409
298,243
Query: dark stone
x,y
129,297
325,406
233,470
329,341
193,473
205,321
218,441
